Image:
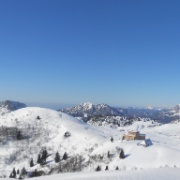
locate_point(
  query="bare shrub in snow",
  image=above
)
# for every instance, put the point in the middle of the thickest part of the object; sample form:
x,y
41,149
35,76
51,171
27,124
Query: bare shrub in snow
x,y
67,134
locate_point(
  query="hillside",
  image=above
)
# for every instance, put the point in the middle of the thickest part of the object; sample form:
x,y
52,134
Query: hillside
x,y
150,174
87,146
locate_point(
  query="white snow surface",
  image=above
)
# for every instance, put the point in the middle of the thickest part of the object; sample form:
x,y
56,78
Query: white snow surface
x,y
150,174
89,141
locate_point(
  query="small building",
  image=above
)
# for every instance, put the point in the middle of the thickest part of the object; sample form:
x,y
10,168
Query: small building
x,y
145,143
134,135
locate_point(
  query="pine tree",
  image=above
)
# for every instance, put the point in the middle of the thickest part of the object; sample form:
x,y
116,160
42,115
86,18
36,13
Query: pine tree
x,y
57,157
65,156
18,171
108,155
19,135
44,154
38,117
121,155
106,169
117,168
39,159
31,163
23,171
14,173
112,139
98,168
44,157
11,176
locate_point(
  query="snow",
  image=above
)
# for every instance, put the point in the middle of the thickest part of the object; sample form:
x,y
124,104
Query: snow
x,y
150,174
158,160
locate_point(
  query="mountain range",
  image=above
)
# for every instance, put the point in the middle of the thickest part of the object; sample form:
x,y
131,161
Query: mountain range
x,y
88,110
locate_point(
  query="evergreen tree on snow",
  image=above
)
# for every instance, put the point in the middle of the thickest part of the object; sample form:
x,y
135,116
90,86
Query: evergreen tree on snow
x,y
65,156
13,173
31,163
57,157
98,168
39,159
108,155
19,135
121,155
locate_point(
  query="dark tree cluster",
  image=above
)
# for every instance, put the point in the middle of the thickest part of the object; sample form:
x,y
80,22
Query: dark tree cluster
x,y
42,157
13,173
8,131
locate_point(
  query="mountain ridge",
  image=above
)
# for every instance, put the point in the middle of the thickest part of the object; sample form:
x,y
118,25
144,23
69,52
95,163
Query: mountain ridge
x,y
9,106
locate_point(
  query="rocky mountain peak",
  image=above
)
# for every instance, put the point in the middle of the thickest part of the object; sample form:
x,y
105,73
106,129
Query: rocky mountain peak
x,y
177,108
8,106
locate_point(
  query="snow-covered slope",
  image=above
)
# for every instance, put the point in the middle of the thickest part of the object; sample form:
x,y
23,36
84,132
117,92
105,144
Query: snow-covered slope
x,y
8,106
150,174
44,128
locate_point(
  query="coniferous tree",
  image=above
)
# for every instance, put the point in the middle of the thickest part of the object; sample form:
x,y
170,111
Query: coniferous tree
x,y
106,169
121,155
44,154
98,168
31,163
112,139
65,156
44,157
18,171
117,168
19,135
108,155
57,157
39,159
38,117
14,173
23,171
11,176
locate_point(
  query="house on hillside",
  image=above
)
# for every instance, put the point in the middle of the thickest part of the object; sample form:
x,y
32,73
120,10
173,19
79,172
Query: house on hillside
x,y
145,143
134,135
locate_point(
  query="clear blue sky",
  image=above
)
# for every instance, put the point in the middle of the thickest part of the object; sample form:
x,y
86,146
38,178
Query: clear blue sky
x,y
120,52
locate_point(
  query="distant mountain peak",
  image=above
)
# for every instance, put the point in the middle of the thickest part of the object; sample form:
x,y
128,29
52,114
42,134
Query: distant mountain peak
x,y
90,109
87,105
8,106
177,107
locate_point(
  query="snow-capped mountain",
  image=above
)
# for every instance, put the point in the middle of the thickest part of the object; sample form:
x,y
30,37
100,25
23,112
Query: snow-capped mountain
x,y
171,114
8,106
89,109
